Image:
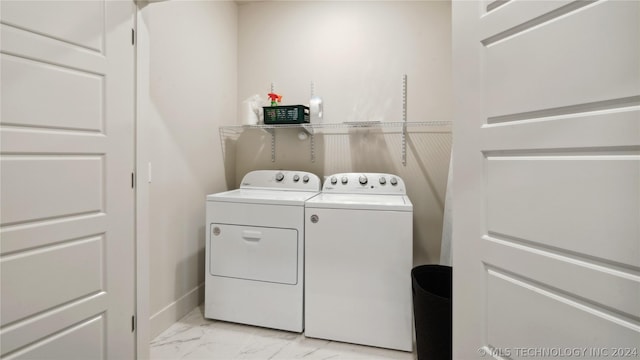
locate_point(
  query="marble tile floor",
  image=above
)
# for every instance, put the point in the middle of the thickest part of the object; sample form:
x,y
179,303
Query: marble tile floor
x,y
194,337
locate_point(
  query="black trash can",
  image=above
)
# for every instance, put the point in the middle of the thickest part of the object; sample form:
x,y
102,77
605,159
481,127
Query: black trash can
x,y
431,286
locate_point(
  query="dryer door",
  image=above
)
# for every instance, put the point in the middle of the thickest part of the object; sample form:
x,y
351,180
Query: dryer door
x,y
254,253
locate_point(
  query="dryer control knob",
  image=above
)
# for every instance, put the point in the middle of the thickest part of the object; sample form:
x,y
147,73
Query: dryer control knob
x,y
296,178
383,180
305,179
279,176
344,180
363,180
334,180
393,181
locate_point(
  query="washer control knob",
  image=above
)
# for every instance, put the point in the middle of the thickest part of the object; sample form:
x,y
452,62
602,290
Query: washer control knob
x,y
393,181
363,180
334,180
296,178
279,176
305,179
344,180
382,180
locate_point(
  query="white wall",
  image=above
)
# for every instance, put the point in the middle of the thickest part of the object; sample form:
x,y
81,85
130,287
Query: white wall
x,y
189,90
356,53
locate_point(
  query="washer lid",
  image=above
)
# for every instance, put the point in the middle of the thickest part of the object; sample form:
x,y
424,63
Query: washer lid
x,y
261,196
361,202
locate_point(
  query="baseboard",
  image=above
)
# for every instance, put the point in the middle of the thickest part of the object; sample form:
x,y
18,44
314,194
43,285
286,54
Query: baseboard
x,y
173,312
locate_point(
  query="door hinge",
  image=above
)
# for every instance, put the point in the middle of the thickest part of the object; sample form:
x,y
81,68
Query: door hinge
x,y
133,36
133,323
133,180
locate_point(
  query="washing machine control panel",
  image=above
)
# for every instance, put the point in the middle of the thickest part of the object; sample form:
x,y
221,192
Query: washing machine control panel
x,y
281,180
366,183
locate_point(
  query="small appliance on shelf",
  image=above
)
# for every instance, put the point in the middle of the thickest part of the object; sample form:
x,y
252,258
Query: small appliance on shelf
x,y
284,114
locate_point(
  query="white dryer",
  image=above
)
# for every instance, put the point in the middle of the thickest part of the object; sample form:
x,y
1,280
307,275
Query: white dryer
x,y
359,255
255,250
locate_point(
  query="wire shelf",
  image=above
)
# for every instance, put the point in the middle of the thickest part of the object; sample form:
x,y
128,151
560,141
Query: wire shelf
x,y
233,132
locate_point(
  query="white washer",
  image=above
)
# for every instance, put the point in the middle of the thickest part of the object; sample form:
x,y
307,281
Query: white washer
x,y
359,255
255,250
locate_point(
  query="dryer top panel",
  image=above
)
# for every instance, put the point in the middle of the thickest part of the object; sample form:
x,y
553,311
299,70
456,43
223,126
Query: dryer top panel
x,y
281,180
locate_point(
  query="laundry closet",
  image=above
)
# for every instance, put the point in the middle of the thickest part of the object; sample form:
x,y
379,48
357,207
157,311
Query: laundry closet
x,y
217,54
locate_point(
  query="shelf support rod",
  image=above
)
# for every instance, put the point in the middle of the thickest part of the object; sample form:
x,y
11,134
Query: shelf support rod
x,y
308,128
313,147
404,120
273,143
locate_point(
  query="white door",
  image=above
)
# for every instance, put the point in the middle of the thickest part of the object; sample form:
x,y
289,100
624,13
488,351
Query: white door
x,y
67,248
546,179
